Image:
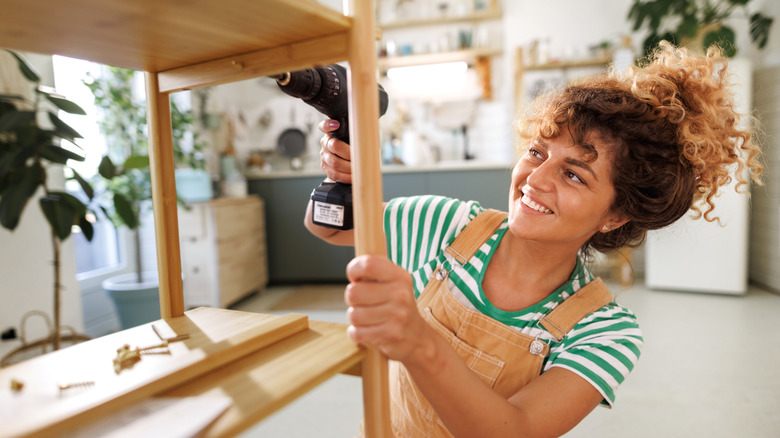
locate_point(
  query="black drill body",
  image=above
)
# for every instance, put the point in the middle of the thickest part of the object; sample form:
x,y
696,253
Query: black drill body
x,y
325,89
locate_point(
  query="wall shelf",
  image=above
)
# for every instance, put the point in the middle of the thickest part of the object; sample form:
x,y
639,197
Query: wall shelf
x,y
469,56
486,15
476,53
595,62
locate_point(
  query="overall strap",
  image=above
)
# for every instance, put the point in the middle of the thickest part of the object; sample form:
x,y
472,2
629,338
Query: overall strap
x,y
476,232
585,301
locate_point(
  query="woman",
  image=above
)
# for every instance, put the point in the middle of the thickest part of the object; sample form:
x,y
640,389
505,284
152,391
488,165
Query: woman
x,y
493,322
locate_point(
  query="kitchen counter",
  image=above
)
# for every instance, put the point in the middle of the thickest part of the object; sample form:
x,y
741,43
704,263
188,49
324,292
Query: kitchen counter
x,y
387,169
295,256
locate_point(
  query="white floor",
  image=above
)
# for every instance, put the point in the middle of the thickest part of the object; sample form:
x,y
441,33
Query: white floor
x,y
710,368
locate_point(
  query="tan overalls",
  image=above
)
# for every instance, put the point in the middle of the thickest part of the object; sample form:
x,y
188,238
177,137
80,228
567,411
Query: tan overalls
x,y
501,356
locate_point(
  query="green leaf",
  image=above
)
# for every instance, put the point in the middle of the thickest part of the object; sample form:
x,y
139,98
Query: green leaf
x,y
125,211
759,29
62,129
25,67
65,104
688,26
86,228
20,188
739,2
74,202
638,13
106,168
14,120
723,38
58,154
136,162
85,185
60,214
651,42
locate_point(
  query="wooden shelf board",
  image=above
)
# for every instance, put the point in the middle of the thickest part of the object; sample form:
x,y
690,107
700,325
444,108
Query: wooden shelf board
x,y
265,62
217,337
265,381
153,35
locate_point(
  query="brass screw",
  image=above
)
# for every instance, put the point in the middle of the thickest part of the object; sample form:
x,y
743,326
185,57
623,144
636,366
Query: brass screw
x,y
16,385
64,386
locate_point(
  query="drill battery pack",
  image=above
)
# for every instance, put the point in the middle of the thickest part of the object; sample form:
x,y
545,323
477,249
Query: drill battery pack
x,y
332,206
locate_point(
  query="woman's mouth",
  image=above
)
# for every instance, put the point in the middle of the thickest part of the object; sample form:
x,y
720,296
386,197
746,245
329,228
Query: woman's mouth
x,y
528,202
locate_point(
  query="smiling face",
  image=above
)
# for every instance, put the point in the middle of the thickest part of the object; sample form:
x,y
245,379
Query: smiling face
x,y
562,192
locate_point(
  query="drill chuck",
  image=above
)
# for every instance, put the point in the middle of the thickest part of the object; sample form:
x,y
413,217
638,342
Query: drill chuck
x,y
325,89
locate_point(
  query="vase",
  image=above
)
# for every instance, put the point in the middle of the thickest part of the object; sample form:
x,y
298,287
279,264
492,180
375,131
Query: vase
x,y
136,303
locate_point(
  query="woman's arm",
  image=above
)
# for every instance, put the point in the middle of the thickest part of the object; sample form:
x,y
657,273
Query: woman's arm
x,y
383,312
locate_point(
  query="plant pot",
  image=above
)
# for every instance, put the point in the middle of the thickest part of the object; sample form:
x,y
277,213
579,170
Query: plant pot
x,y
136,303
193,185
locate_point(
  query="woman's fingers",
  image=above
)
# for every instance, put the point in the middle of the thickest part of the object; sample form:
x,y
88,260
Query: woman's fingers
x,y
382,310
328,125
336,147
335,155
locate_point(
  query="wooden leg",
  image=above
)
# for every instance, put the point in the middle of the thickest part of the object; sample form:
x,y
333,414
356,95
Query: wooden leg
x,y
166,223
367,193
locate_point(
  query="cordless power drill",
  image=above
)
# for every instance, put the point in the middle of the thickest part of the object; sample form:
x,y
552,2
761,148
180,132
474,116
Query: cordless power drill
x,y
325,89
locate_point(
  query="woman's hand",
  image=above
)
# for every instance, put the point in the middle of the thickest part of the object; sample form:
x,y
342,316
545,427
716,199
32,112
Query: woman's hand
x,y
382,309
335,154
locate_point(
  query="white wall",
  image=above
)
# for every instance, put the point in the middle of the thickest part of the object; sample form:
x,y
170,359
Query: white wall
x,y
26,272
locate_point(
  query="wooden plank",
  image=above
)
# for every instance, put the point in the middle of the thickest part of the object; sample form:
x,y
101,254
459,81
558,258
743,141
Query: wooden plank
x,y
164,200
217,337
152,35
288,57
267,380
367,194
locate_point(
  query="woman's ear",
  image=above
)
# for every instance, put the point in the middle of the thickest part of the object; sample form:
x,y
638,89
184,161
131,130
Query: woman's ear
x,y
613,223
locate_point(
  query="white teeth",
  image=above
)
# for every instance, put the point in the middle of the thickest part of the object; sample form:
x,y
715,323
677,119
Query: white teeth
x,y
535,206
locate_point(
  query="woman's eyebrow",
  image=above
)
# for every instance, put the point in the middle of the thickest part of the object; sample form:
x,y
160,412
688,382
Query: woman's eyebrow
x,y
541,143
581,164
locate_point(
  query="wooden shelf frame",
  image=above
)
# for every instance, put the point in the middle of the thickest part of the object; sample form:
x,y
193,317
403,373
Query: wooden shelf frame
x,y
202,43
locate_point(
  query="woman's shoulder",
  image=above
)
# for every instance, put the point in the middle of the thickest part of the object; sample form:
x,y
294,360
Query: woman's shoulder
x,y
603,348
437,209
417,227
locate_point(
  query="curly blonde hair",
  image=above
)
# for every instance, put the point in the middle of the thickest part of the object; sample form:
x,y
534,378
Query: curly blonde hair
x,y
673,132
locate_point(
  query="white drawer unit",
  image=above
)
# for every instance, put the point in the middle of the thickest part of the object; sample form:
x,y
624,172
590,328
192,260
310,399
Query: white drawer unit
x,y
223,250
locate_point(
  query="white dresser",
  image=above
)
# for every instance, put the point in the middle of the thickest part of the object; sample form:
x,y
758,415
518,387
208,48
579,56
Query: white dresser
x,y
223,250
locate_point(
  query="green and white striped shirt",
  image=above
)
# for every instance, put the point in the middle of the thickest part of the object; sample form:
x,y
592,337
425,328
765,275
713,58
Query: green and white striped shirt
x,y
602,348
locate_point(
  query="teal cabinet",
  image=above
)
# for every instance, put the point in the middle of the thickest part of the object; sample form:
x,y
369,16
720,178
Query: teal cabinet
x,y
295,256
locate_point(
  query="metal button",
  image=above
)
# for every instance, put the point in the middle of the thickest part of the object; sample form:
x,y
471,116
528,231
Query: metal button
x,y
440,274
536,347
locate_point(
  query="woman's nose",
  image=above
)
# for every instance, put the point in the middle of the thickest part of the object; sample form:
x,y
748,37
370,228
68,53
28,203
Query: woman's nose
x,y
542,177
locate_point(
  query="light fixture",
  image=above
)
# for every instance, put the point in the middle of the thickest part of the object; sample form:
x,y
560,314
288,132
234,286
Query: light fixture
x,y
429,72
443,81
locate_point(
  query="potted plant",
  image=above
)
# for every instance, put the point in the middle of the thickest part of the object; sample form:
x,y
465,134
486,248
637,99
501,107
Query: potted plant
x,y
124,183
697,24
28,147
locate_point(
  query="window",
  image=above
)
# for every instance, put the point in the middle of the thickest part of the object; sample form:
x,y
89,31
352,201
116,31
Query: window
x,y
103,252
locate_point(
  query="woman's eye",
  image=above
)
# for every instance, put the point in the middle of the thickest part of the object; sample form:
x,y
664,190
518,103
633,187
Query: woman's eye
x,y
573,176
534,153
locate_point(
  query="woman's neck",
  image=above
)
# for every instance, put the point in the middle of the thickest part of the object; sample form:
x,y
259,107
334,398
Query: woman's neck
x,y
522,272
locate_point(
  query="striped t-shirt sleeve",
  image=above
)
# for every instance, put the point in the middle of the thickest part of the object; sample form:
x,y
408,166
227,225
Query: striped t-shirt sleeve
x,y
417,227
602,348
